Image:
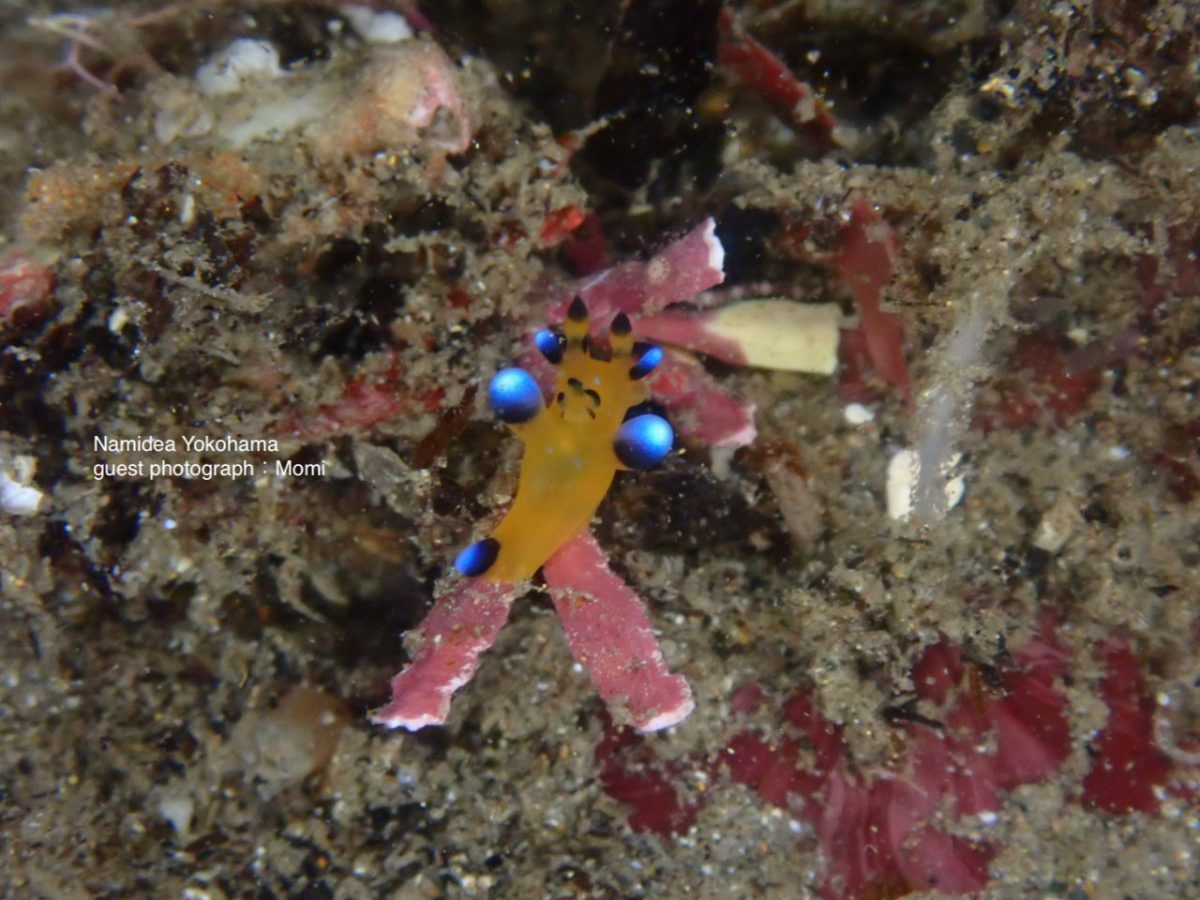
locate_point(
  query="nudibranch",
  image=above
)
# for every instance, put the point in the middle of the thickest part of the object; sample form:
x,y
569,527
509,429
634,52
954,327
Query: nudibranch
x,y
592,424
574,444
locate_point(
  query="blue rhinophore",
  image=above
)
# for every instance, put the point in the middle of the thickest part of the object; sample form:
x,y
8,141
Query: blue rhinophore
x,y
647,362
515,396
550,345
478,558
643,441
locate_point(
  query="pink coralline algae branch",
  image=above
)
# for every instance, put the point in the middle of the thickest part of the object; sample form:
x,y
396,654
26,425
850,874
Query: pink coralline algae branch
x,y
609,634
463,623
607,630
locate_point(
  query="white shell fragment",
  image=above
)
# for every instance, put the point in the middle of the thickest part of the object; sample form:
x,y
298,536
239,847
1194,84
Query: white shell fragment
x,y
782,335
17,496
1057,525
178,810
902,472
386,27
857,414
245,60
716,250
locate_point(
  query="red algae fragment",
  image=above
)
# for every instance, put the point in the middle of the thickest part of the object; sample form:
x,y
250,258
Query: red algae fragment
x,y
1178,462
1032,735
771,770
631,773
450,423
1028,719
1183,267
559,224
699,408
366,400
25,288
875,827
870,832
746,699
854,370
1051,386
865,263
871,827
767,75
585,249
1128,767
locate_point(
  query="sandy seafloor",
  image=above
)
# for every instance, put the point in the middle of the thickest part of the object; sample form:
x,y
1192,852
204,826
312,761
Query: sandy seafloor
x,y
186,665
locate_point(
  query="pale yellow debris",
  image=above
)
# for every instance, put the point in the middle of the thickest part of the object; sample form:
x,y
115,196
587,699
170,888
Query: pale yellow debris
x,y
782,335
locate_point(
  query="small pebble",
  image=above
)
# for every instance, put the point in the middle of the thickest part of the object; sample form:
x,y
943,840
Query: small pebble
x,y
857,414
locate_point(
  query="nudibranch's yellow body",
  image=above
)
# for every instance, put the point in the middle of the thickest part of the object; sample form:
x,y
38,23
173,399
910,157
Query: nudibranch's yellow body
x,y
569,460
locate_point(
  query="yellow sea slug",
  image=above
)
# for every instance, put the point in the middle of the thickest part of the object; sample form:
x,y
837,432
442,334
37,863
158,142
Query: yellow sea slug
x,y
574,444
